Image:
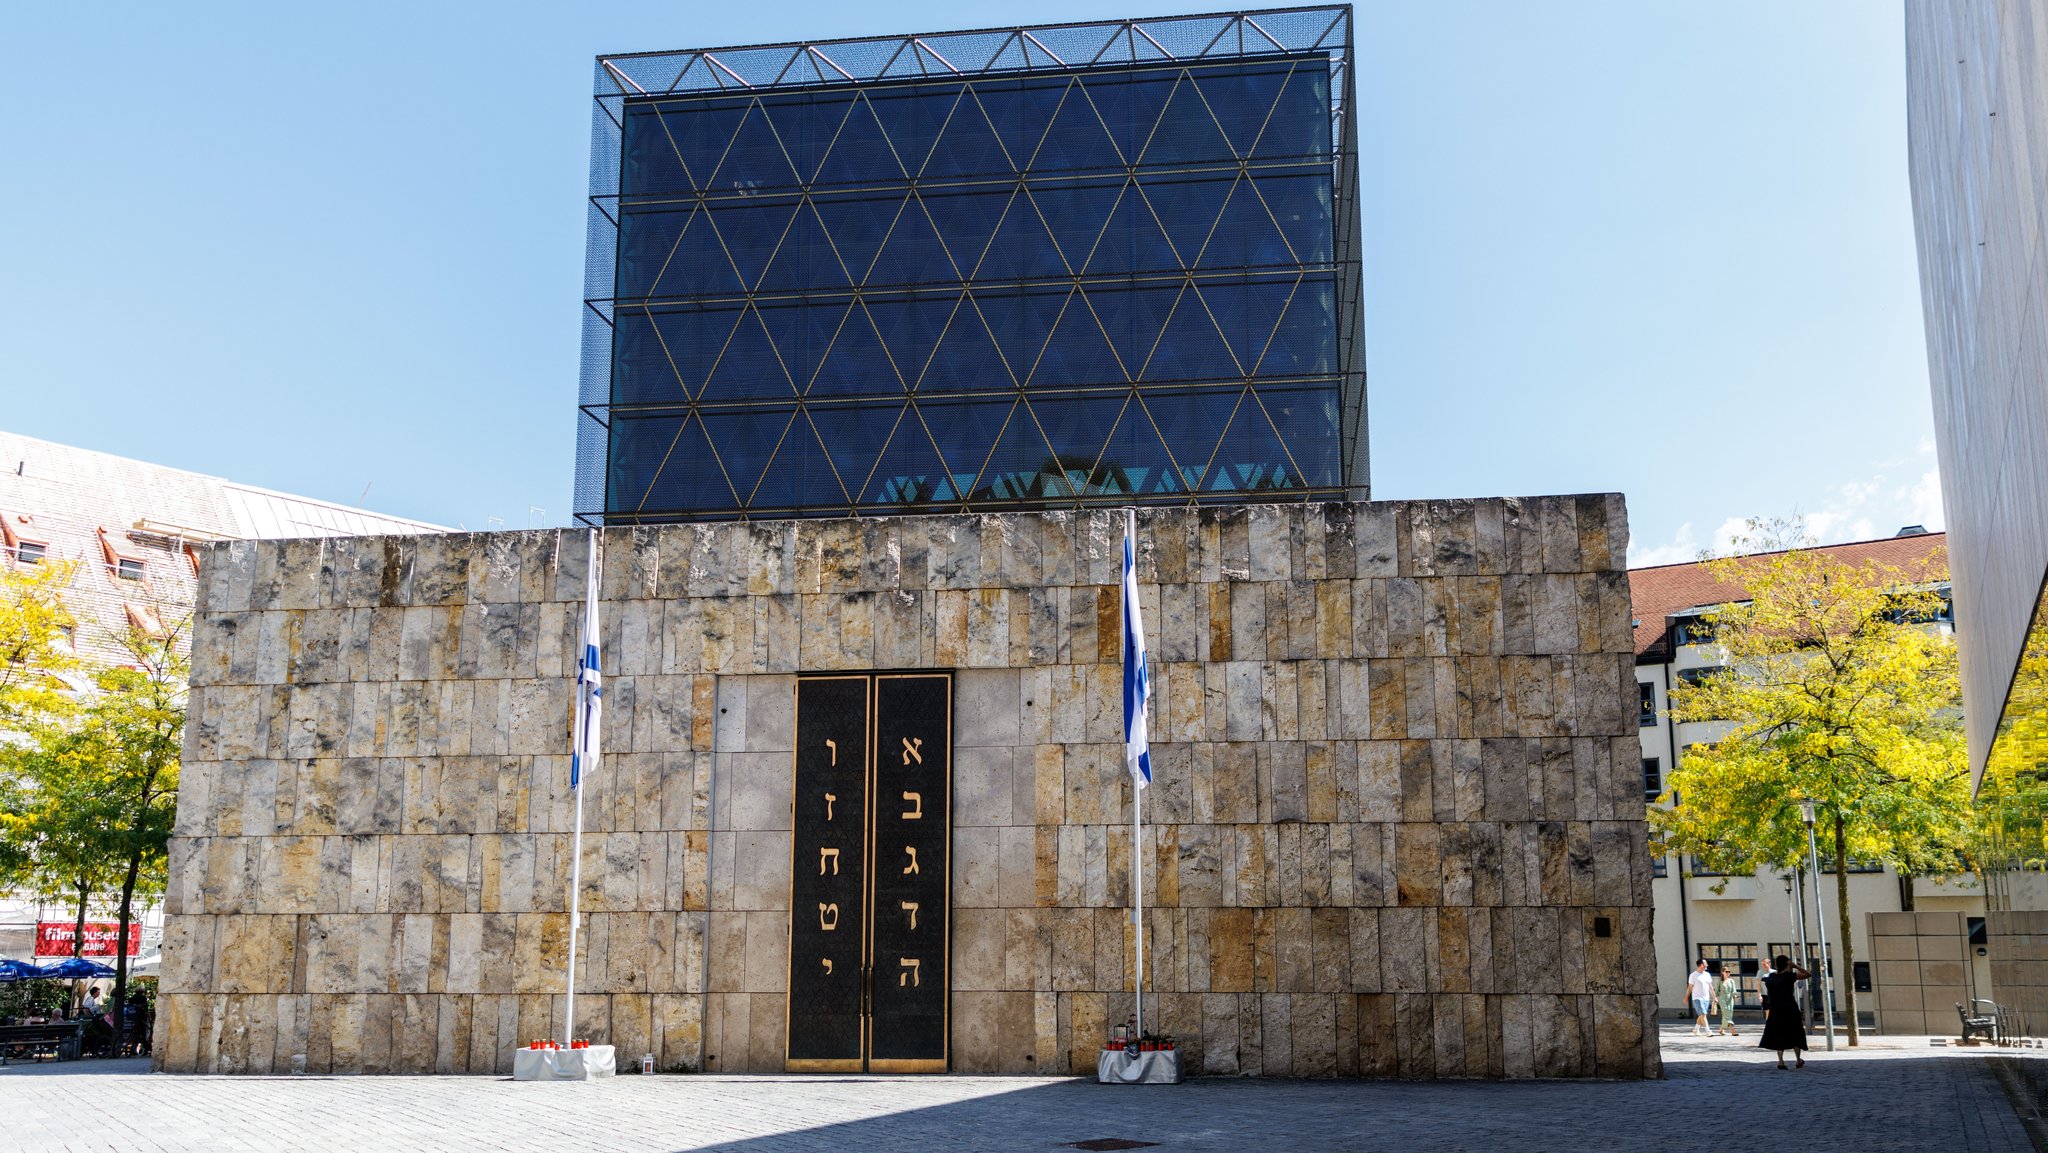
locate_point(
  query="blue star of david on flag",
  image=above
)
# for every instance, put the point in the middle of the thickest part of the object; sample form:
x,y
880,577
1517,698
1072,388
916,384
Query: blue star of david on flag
x,y
589,681
1137,684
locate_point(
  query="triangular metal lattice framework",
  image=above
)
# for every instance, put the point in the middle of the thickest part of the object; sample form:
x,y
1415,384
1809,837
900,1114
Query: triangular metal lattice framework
x,y
1023,267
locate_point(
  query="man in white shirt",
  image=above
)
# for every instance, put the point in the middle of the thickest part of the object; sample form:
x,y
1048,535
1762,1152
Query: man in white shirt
x,y
1699,989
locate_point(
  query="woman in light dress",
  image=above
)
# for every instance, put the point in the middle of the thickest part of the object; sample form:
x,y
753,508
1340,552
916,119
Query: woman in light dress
x,y
1725,992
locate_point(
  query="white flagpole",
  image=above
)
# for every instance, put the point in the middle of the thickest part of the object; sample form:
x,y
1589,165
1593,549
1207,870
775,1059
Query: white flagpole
x,y
1138,902
584,740
575,915
1137,810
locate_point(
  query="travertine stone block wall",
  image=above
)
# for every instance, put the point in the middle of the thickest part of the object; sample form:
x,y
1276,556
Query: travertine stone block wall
x,y
1395,828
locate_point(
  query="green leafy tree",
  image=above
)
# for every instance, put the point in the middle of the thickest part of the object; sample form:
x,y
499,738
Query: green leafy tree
x,y
93,796
52,864
53,845
132,735
2012,798
1834,689
33,624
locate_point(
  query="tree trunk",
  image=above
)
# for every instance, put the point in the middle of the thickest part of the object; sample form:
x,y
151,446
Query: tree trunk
x,y
1845,972
78,936
78,945
121,952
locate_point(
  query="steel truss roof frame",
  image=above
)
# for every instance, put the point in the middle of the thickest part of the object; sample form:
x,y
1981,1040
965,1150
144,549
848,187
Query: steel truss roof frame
x,y
1018,50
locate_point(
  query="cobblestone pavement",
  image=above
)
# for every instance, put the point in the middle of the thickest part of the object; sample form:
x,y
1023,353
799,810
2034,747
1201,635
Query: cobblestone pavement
x,y
1894,1094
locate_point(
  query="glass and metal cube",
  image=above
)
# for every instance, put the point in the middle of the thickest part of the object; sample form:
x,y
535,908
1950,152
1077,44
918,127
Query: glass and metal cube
x,y
1021,268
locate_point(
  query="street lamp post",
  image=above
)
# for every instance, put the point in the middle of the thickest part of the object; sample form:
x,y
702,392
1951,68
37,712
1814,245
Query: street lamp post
x,y
1827,991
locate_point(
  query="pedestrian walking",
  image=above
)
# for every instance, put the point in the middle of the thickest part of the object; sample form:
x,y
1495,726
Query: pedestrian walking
x,y
1700,991
1784,1025
1725,991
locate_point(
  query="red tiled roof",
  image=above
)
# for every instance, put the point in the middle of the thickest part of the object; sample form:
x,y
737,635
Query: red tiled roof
x,y
1657,592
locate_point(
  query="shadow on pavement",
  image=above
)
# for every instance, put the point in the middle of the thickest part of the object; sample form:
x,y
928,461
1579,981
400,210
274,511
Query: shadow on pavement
x,y
83,1067
1893,1101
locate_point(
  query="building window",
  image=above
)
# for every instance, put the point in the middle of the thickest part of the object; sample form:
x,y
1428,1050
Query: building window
x,y
1943,612
1658,867
1827,865
31,551
1646,704
1692,631
144,620
1811,964
1698,678
1653,778
1694,677
1783,949
129,568
1742,961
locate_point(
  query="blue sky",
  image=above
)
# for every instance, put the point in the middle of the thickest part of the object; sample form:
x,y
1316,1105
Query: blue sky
x,y
1664,249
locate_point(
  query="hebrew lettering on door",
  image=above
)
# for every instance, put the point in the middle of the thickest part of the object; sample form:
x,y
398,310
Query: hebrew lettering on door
x,y
869,923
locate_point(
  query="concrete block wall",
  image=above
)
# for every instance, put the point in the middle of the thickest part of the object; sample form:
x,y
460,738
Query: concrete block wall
x,y
1395,830
1919,970
2018,940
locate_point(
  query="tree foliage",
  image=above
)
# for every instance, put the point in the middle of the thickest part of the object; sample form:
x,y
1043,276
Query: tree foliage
x,y
2012,798
54,845
1835,689
33,621
89,793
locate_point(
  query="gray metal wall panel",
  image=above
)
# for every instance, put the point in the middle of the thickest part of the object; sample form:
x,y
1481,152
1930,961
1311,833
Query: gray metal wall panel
x,y
1977,122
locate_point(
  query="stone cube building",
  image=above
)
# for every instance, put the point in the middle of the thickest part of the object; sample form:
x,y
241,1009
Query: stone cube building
x,y
1394,831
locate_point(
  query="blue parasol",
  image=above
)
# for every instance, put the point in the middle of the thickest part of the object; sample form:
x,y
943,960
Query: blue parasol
x,y
75,967
11,970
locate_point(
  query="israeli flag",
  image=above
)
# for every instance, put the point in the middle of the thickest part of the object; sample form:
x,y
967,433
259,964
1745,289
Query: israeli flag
x,y
589,682
1137,685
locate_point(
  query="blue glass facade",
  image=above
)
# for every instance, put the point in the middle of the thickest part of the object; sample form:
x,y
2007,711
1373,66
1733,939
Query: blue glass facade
x,y
1045,283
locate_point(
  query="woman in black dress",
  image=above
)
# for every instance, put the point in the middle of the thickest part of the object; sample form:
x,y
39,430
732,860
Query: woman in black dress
x,y
1784,1023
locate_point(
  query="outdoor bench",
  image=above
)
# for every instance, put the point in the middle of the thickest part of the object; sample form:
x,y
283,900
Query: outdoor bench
x,y
63,1039
1983,1026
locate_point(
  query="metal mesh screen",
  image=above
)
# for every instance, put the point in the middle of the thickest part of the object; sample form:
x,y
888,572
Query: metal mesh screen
x,y
815,330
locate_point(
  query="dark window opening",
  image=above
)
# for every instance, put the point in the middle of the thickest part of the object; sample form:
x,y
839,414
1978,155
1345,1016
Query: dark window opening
x,y
1812,965
1943,612
1694,677
1692,631
1653,778
1742,961
1646,704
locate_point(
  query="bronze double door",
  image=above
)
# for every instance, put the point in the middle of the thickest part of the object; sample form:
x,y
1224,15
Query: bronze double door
x,y
869,890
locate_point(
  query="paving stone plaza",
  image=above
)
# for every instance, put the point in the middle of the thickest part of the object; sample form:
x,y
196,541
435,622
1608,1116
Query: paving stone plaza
x,y
1718,1093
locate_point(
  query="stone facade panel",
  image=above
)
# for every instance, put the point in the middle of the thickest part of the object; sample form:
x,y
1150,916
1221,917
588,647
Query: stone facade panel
x,y
1387,835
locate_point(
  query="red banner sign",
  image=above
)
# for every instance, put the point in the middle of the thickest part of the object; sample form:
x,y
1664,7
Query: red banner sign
x,y
55,938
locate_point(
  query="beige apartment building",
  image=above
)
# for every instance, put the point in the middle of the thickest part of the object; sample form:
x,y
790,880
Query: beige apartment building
x,y
1741,919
